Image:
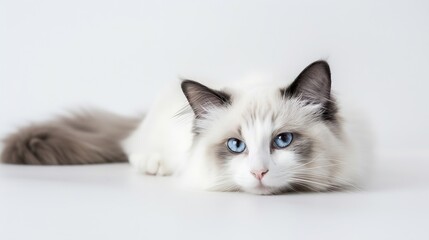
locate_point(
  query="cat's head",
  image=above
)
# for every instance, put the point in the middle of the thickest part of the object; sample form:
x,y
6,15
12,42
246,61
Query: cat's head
x,y
268,139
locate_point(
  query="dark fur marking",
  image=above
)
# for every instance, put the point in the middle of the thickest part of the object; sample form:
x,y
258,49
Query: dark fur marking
x,y
84,138
313,85
304,148
200,96
222,153
300,145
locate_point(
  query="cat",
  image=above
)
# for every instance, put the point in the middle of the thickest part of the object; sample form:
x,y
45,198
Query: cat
x,y
261,138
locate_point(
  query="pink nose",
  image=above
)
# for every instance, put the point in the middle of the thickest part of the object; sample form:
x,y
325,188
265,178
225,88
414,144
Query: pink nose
x,y
259,174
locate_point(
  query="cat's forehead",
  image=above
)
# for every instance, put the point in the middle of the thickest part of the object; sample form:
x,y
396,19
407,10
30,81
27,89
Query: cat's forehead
x,y
266,107
256,96
262,109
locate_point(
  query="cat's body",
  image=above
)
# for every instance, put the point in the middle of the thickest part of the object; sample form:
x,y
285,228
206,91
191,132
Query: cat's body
x,y
263,138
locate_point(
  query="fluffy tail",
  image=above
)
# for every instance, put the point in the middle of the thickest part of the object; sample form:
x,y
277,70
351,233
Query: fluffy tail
x,y
81,138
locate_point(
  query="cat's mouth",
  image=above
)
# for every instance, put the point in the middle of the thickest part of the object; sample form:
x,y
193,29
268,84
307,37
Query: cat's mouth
x,y
262,189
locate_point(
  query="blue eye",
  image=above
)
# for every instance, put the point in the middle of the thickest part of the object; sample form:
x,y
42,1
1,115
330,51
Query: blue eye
x,y
235,145
282,140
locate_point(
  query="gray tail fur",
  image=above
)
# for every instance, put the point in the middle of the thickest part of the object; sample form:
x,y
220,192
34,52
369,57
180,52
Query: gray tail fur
x,y
82,138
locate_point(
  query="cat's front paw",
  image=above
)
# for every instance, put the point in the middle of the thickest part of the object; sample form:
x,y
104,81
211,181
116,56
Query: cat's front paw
x,y
148,164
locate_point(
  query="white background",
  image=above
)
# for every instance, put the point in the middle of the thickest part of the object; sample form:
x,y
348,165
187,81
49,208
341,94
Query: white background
x,y
59,55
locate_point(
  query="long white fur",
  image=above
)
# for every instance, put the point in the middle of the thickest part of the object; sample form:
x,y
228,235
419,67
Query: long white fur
x,y
163,143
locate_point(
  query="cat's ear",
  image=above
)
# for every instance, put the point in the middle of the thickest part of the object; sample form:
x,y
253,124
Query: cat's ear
x,y
313,84
201,98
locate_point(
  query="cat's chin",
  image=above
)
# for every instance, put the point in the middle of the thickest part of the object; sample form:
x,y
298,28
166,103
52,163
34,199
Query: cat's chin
x,y
261,190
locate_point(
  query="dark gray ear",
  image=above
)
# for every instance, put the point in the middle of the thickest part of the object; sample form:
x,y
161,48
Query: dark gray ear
x,y
313,85
201,98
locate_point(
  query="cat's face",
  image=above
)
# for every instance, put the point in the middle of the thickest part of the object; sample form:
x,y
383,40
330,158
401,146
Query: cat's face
x,y
266,140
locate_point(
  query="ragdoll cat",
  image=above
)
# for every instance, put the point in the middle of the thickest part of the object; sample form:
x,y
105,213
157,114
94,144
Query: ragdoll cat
x,y
259,138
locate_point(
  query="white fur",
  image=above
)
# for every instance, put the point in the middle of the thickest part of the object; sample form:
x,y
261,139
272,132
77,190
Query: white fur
x,y
163,143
